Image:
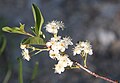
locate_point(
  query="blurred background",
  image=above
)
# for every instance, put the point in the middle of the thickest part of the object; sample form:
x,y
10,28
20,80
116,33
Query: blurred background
x,y
95,20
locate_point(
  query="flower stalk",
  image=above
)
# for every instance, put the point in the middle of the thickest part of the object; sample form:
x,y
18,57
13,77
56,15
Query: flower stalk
x,y
29,34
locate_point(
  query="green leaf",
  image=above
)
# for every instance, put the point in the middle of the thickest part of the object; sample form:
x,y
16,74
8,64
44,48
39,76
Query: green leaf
x,y
33,41
38,18
22,26
2,44
13,30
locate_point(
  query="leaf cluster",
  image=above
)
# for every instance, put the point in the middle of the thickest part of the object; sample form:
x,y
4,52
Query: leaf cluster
x,y
37,36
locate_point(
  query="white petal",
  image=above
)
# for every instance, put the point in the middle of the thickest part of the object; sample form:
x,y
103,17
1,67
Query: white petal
x,y
91,52
48,44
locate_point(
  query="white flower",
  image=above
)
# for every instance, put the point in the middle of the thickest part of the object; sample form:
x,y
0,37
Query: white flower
x,y
54,54
59,68
65,61
64,43
55,46
83,47
55,39
25,54
22,46
76,50
58,45
52,41
53,26
48,44
67,41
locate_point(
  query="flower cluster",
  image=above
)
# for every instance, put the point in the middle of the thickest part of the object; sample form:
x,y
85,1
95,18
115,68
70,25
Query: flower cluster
x,y
83,48
25,52
57,46
53,26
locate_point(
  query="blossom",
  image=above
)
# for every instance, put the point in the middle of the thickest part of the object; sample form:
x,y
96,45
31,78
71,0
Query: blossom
x,y
53,47
25,54
57,45
22,46
84,47
63,62
53,26
64,43
53,41
67,41
54,54
59,68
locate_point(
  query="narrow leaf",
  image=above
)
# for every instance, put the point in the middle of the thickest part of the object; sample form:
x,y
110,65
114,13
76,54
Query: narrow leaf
x,y
38,18
13,30
22,26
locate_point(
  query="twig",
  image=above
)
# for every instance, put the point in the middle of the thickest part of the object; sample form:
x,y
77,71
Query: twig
x,y
94,74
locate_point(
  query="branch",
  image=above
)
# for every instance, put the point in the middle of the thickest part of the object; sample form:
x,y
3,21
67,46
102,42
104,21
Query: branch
x,y
94,74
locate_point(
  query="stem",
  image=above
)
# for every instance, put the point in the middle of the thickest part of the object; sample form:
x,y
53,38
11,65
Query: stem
x,y
85,60
29,34
96,75
41,49
44,49
38,51
20,71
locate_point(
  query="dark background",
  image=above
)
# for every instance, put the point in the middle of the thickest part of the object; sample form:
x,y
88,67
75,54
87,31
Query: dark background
x,y
95,20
